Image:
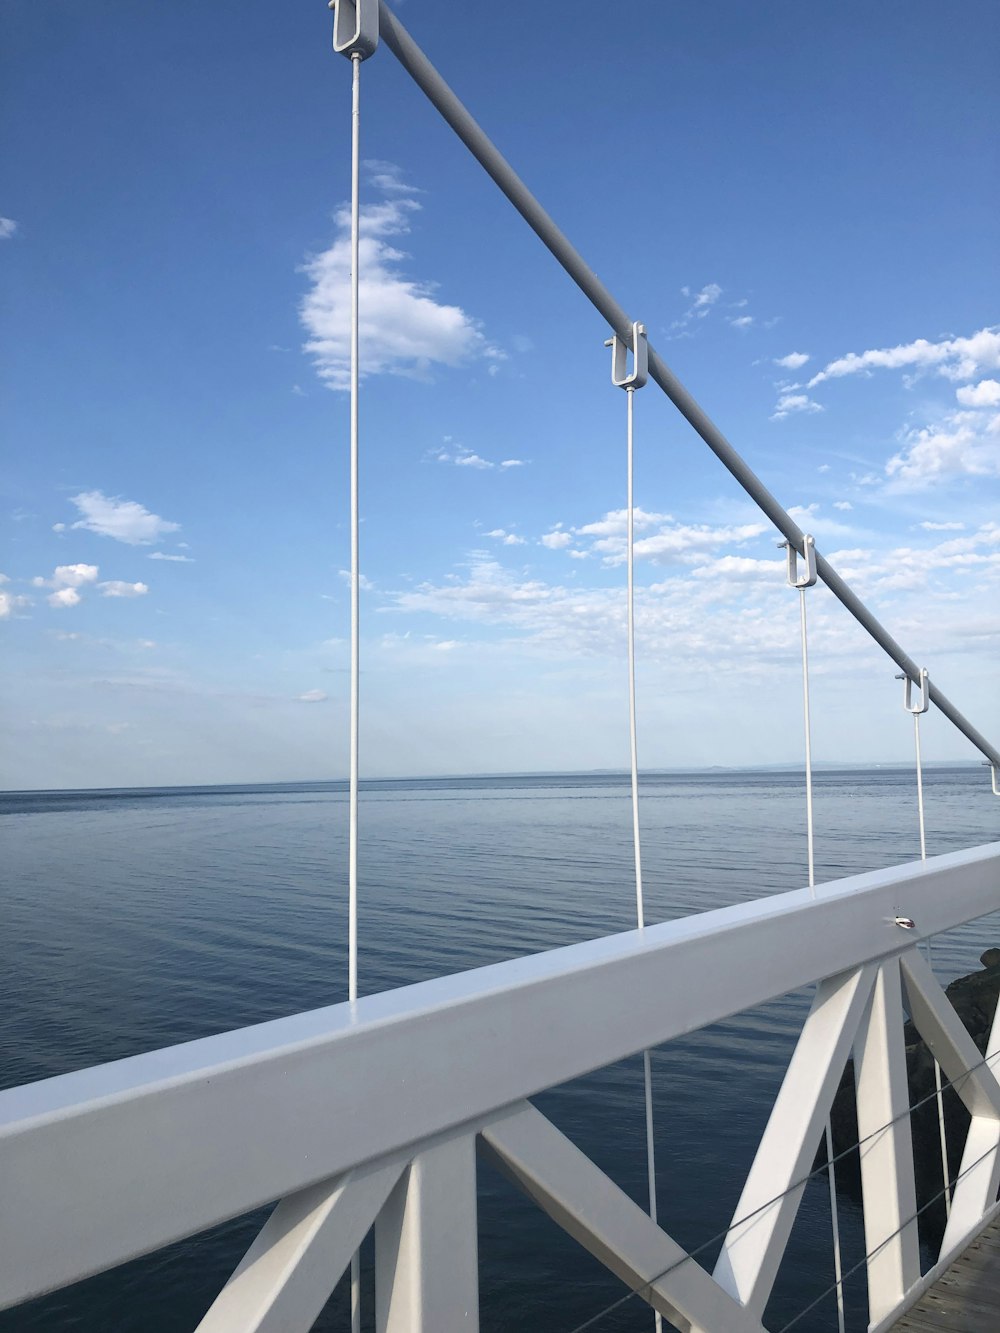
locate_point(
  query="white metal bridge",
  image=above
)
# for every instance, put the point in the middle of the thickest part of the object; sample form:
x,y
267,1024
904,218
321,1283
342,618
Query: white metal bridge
x,y
372,1114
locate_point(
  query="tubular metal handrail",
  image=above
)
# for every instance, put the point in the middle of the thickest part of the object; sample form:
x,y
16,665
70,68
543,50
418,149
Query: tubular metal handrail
x,y
427,78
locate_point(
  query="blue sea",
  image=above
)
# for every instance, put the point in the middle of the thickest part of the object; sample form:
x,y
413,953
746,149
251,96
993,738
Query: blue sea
x,y
140,918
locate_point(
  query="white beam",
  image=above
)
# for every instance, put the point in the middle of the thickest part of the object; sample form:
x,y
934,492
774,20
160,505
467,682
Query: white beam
x,y
566,1184
948,1039
426,1249
890,1201
753,1249
300,1254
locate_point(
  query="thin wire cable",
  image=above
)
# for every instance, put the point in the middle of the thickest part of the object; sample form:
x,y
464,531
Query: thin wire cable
x,y
942,1131
799,1184
882,1244
352,909
640,913
811,857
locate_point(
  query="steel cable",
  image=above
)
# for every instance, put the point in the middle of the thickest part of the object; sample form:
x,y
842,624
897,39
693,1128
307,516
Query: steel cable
x,y
986,1062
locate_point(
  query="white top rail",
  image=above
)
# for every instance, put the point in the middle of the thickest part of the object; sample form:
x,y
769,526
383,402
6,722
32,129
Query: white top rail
x,y
108,1163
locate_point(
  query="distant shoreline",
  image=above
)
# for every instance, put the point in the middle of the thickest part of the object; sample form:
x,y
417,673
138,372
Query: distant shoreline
x,y
946,765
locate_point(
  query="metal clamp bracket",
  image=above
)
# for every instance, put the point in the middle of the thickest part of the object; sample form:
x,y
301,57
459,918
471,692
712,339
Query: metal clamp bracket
x,y
621,376
355,27
795,579
925,692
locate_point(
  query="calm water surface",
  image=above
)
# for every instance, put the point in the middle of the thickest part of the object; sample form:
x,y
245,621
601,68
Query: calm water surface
x,y
137,919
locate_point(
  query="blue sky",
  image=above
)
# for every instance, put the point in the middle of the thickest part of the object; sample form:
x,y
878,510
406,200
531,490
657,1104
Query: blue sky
x,y
800,202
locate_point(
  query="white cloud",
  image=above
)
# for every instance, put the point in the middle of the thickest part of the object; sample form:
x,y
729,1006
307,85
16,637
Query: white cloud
x,y
11,602
708,296
842,504
507,538
954,358
125,520
790,403
404,329
121,588
793,361
7,228
69,576
984,394
962,444
682,542
929,526
64,597
557,540
180,559
615,523
460,456
742,322
312,697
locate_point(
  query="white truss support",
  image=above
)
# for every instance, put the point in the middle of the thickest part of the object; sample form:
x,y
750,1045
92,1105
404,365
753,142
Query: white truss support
x,y
749,1261
426,1246
890,1202
947,1038
300,1254
576,1194
979,1175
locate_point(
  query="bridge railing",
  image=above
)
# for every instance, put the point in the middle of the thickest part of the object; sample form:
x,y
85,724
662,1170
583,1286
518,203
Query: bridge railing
x,y
370,1115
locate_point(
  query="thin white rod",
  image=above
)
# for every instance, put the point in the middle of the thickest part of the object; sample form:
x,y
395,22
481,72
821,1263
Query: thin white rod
x,y
810,853
352,938
640,914
939,1095
838,1269
811,858
352,910
920,786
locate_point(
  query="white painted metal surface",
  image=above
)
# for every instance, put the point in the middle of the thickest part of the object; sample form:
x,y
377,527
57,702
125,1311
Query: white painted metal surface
x,y
366,1113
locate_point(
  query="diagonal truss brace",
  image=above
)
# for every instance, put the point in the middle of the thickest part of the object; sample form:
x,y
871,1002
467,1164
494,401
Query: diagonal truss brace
x,y
576,1194
753,1249
979,1174
301,1253
947,1038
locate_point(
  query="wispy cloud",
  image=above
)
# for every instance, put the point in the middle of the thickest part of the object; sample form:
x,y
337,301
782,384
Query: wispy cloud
x,y
954,358
460,456
8,227
405,329
122,588
124,520
961,444
793,361
506,538
178,559
312,697
790,403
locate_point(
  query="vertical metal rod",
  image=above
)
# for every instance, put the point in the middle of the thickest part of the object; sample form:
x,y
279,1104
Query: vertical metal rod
x,y
436,89
939,1093
640,912
810,848
352,909
811,858
920,786
838,1270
